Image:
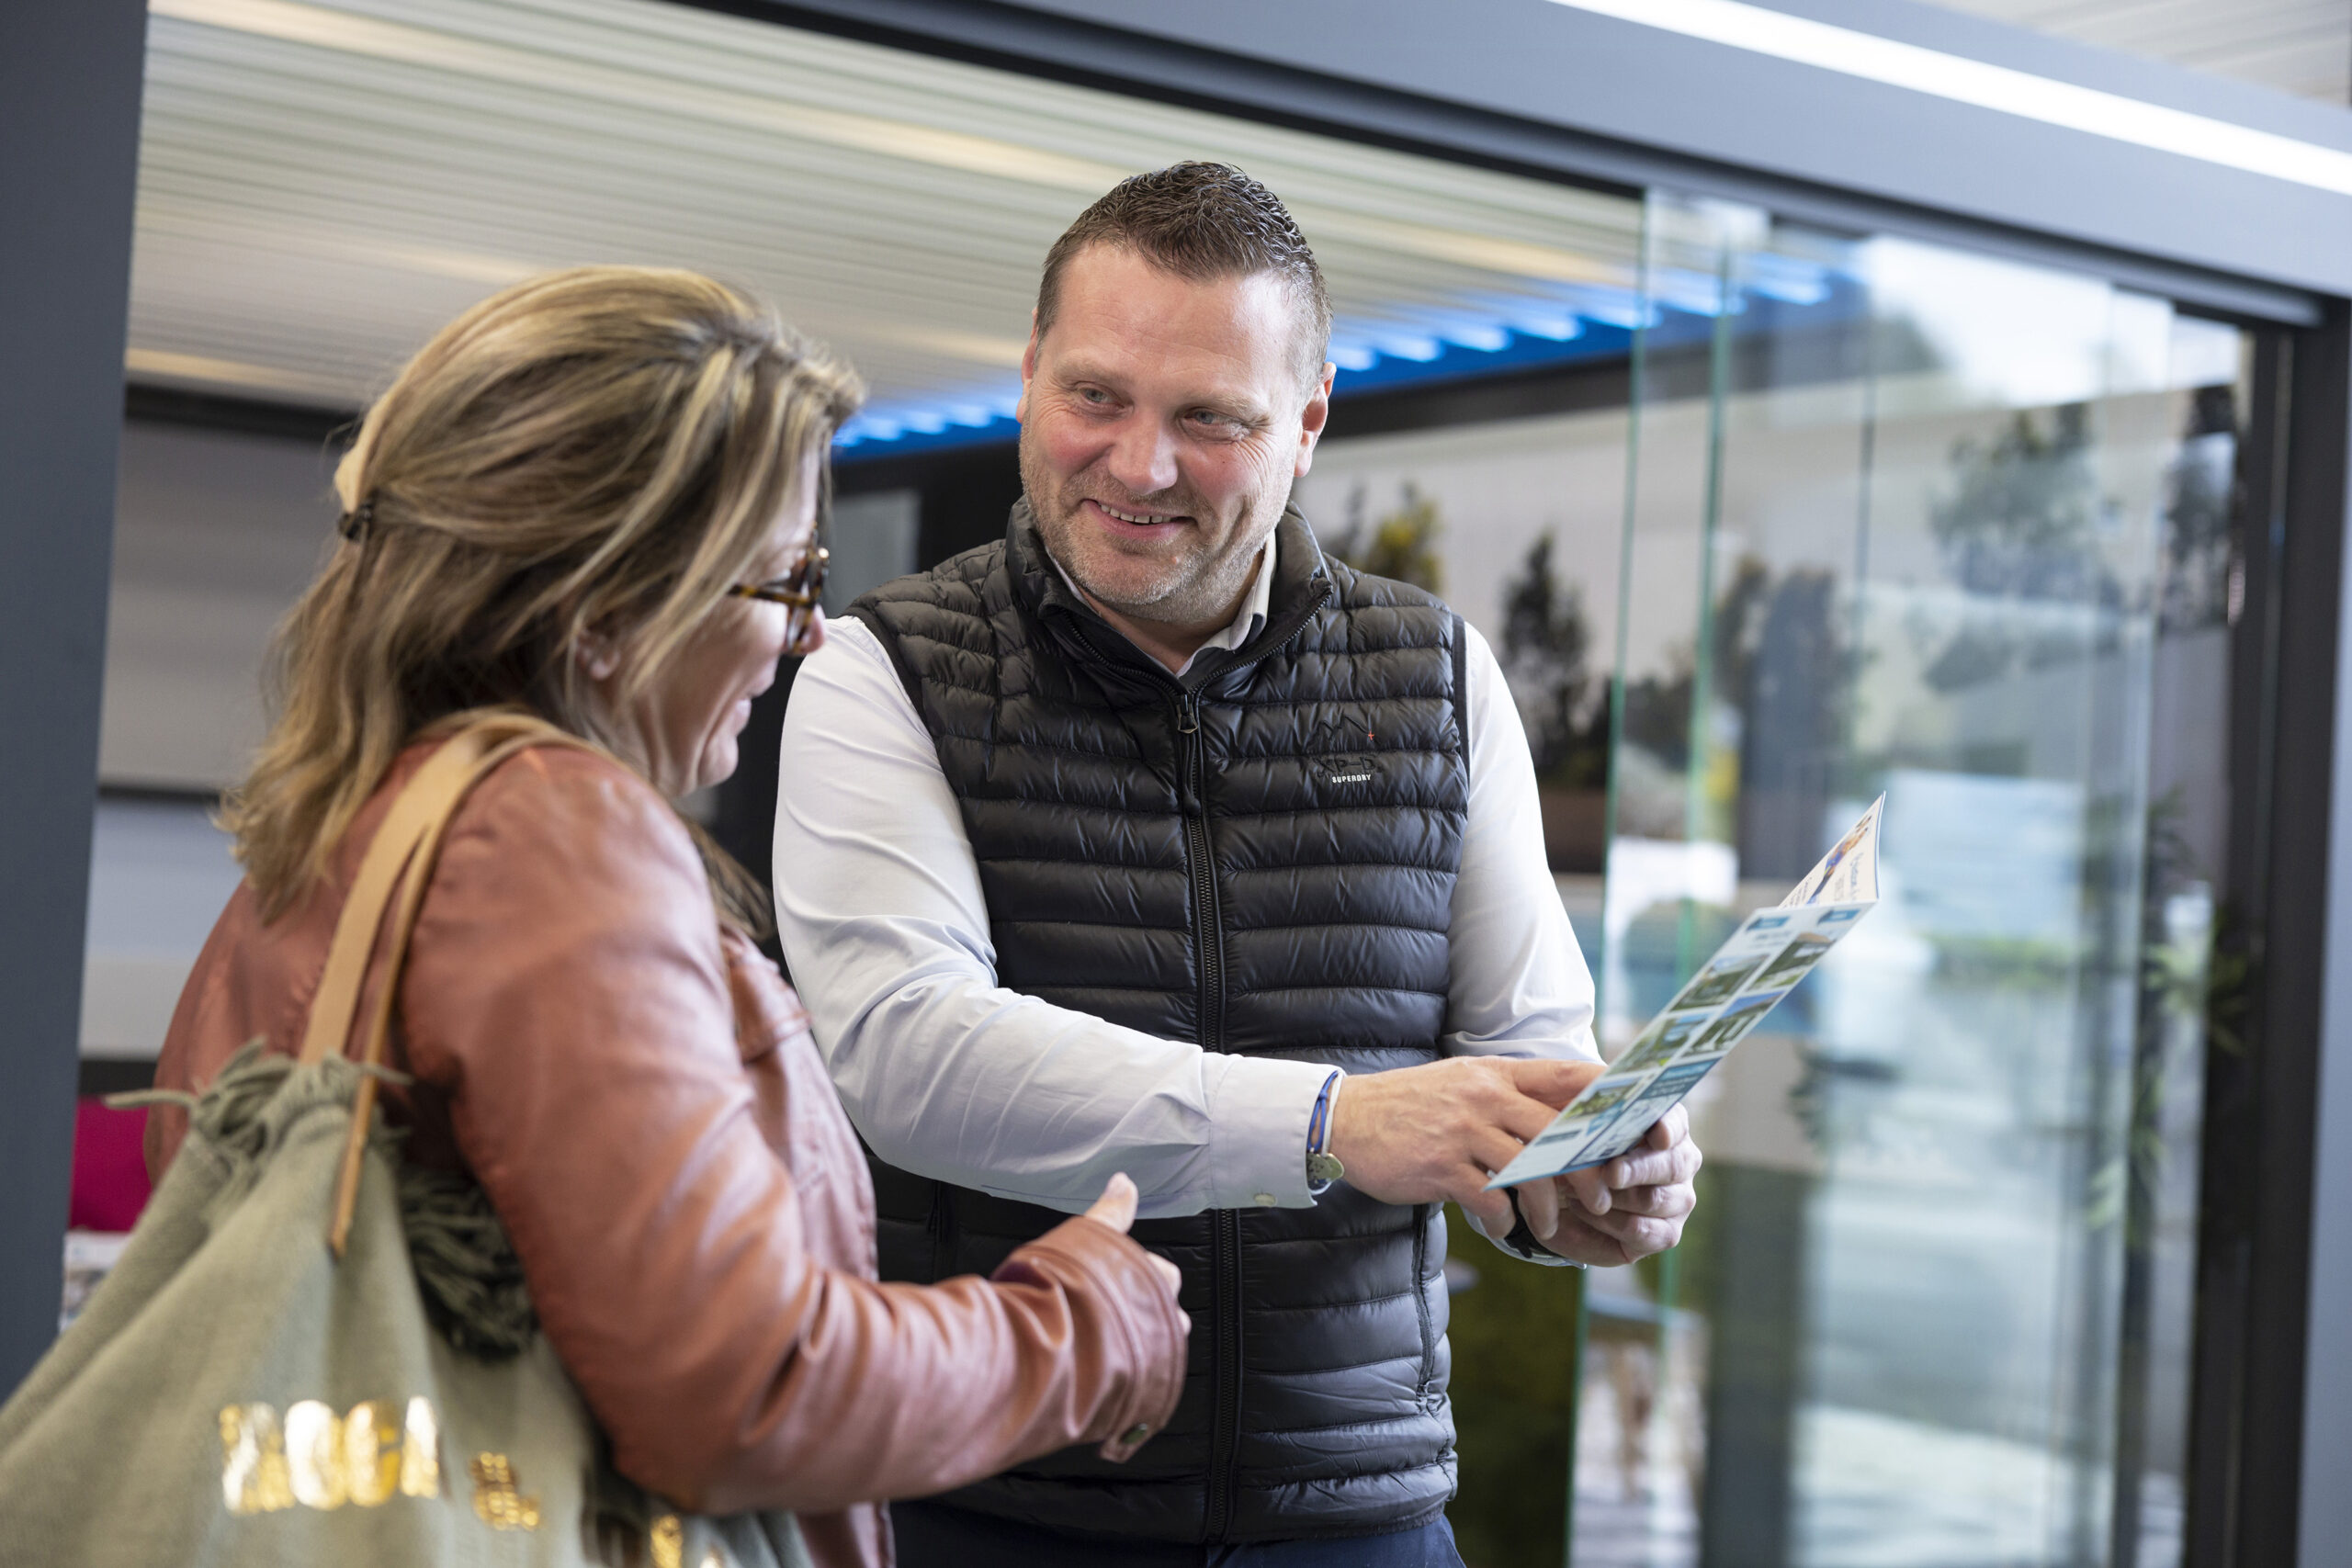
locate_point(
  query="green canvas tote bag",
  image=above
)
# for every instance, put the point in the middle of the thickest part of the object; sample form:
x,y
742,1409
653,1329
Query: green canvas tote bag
x,y
310,1353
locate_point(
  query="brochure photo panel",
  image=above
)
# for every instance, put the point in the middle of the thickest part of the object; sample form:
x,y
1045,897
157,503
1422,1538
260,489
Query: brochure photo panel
x,y
1769,956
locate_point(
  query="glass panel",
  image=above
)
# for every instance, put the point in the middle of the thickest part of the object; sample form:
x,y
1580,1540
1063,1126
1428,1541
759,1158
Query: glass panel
x,y
1905,519
2188,995
1896,518
1518,521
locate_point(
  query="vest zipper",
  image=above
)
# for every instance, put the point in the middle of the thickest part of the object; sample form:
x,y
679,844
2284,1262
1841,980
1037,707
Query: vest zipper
x,y
941,1225
1225,1251
1423,1394
1225,1435
1207,927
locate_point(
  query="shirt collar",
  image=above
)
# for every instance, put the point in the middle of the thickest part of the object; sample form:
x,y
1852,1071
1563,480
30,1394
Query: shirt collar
x,y
1246,622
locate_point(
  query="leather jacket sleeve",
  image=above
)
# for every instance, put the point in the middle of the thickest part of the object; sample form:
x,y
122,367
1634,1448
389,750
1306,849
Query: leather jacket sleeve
x,y
567,996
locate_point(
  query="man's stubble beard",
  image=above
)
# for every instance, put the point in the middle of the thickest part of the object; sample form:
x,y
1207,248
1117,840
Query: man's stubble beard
x,y
1197,590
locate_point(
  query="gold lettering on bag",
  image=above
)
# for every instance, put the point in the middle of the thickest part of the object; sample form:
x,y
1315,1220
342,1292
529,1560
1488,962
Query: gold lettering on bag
x,y
668,1539
502,1507
420,1452
252,1463
314,1456
371,1454
323,1462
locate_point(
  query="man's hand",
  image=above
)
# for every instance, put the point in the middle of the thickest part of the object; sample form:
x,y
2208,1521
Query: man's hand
x,y
1429,1134
1622,1210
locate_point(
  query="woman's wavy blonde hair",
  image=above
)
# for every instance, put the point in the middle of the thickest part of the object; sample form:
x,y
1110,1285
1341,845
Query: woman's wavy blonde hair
x,y
604,449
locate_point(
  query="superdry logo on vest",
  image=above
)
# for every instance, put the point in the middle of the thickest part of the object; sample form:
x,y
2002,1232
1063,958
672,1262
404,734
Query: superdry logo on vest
x,y
1347,766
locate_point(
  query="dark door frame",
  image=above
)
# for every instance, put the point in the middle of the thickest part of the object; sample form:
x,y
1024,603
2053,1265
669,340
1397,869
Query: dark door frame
x,y
2270,1442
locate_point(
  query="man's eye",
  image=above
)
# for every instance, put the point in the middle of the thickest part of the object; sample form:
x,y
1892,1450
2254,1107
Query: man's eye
x,y
1095,395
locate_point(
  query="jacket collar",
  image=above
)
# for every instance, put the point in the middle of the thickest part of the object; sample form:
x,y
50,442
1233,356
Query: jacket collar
x,y
1302,585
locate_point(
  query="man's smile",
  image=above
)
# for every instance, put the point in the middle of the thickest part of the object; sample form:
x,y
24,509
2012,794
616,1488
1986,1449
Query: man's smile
x,y
1148,525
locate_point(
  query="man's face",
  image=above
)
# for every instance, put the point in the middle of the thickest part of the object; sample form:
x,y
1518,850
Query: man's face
x,y
1162,421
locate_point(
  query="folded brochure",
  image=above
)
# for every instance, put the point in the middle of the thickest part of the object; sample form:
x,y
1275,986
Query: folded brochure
x,y
1772,950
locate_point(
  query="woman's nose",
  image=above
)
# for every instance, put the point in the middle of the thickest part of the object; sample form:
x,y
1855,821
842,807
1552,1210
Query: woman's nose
x,y
813,638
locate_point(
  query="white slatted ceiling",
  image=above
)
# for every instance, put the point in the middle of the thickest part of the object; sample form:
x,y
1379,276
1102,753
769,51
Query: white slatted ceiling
x,y
2297,46
322,185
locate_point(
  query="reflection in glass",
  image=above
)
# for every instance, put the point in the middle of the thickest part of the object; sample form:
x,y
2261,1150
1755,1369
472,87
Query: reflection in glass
x,y
1953,530
1862,514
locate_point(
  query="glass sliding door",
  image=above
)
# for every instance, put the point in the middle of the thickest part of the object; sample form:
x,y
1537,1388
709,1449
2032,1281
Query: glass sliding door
x,y
1904,520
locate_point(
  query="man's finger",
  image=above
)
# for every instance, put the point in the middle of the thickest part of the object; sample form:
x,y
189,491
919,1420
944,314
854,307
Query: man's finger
x,y
1591,1187
1671,1128
1668,1203
1553,1081
1492,1147
1638,1236
1654,1168
1641,1231
1524,1117
1539,1204
1579,1241
1492,1210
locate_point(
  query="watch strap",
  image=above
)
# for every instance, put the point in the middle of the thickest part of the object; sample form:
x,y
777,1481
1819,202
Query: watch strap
x,y
1323,1168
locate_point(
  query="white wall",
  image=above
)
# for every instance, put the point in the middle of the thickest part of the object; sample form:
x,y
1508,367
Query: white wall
x,y
215,536
159,873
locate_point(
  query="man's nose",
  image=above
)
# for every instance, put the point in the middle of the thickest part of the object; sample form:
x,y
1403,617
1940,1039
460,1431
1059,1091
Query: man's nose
x,y
1143,457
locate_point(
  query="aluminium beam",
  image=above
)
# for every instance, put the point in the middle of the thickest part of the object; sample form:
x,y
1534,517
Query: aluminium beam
x,y
1550,87
70,78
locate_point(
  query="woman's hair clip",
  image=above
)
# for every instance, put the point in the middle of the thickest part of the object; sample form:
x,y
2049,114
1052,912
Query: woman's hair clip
x,y
353,524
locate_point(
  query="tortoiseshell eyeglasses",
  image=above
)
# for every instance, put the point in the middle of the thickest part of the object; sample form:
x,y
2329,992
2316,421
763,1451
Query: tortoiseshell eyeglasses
x,y
800,592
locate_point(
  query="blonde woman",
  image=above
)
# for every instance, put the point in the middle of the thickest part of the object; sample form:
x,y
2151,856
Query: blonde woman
x,y
594,496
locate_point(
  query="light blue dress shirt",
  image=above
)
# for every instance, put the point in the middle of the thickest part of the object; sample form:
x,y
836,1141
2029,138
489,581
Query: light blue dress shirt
x,y
947,1074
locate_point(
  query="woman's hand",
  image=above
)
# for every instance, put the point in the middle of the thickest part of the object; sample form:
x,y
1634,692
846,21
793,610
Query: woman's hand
x,y
1116,1207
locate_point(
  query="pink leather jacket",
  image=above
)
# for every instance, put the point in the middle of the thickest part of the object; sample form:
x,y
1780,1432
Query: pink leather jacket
x,y
638,1094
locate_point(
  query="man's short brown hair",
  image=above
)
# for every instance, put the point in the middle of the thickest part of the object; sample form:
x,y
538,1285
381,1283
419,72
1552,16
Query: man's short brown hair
x,y
1201,222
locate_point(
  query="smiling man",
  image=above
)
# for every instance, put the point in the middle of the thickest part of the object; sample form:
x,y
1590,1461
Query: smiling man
x,y
1151,840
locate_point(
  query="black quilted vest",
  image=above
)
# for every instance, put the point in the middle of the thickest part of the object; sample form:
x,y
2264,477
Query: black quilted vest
x,y
1261,858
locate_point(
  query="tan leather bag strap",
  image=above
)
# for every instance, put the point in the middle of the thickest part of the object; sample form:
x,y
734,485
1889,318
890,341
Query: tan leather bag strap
x,y
377,1028
430,793
410,840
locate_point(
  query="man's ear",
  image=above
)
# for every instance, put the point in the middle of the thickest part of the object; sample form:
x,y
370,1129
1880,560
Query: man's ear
x,y
1312,418
1028,370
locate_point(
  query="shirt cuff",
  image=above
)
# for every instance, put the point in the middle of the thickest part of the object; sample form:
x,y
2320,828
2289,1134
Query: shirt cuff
x,y
1259,1109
